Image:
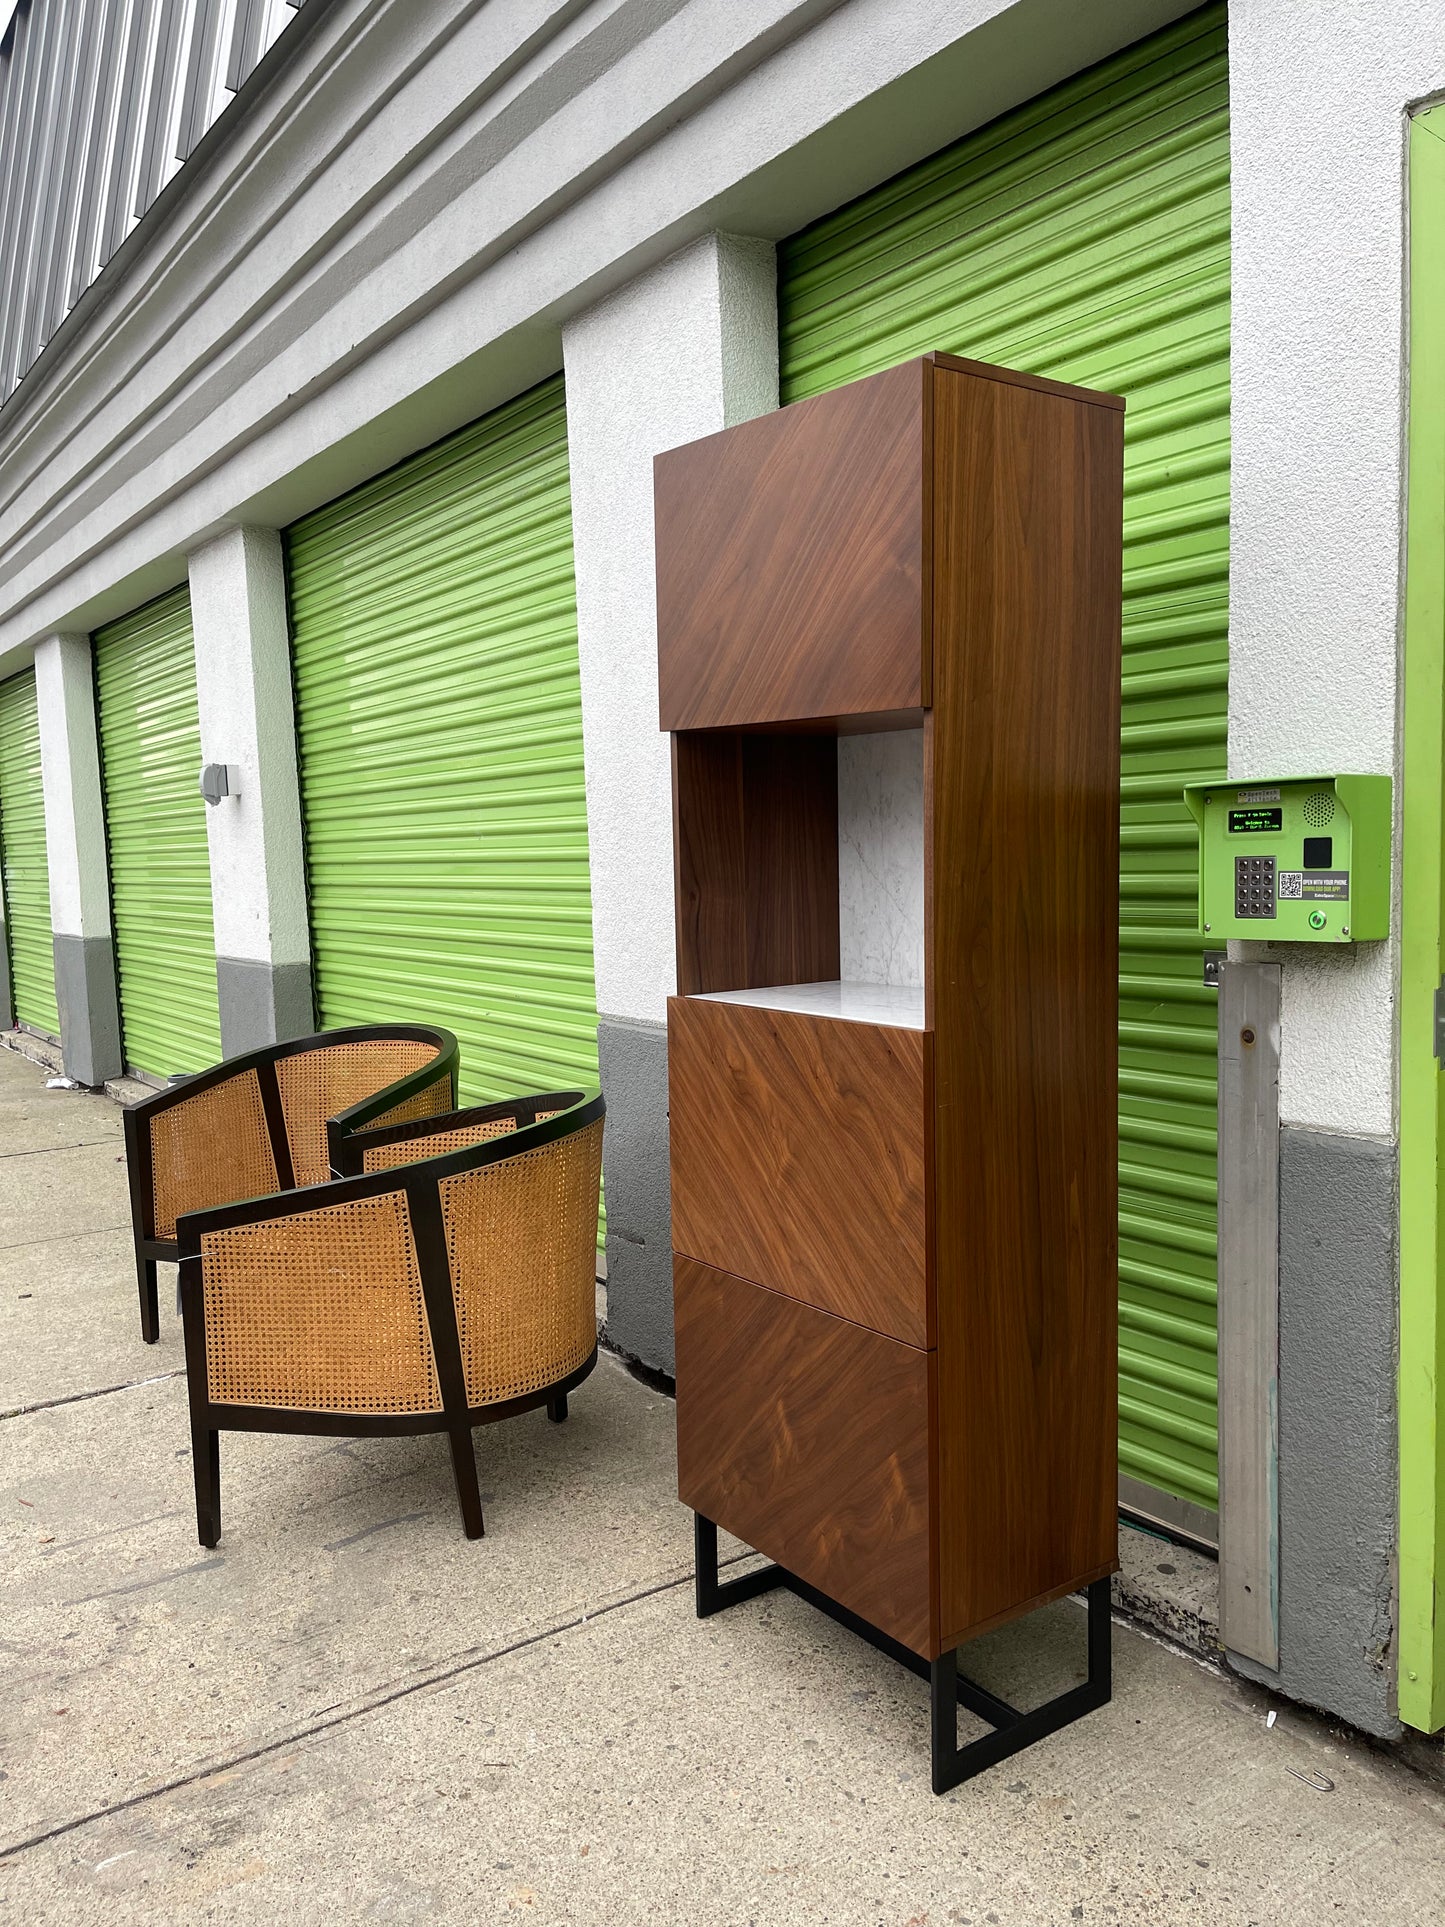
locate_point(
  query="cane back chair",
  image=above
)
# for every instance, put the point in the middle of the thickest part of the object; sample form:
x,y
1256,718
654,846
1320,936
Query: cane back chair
x,y
267,1121
446,1281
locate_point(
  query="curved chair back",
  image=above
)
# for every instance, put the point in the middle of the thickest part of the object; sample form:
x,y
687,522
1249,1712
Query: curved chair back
x,y
267,1120
450,1282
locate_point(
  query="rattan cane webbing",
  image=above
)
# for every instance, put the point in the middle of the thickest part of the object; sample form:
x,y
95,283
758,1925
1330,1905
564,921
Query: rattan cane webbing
x,y
322,1312
316,1084
522,1242
210,1149
434,1101
380,1157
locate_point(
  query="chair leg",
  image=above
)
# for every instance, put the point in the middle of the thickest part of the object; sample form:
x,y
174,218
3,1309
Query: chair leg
x,y
557,1408
206,1461
464,1464
150,1313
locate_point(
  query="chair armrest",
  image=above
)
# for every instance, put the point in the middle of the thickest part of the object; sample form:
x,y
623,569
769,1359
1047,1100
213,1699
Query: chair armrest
x,y
427,1092
393,1144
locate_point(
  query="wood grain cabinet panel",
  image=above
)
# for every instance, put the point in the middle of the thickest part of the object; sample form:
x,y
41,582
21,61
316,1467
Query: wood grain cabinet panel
x,y
922,1225
798,1157
1024,967
755,842
790,562
809,1437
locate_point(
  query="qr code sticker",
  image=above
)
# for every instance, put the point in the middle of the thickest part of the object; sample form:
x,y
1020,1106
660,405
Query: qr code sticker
x,y
1292,884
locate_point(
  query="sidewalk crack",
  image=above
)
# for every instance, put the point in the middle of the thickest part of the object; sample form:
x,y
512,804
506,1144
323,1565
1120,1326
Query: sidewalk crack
x,y
61,1237
101,1391
51,1150
442,1677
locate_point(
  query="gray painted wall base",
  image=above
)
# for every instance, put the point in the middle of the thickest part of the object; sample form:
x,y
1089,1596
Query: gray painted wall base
x,y
262,1003
85,991
633,1059
7,1009
1337,1498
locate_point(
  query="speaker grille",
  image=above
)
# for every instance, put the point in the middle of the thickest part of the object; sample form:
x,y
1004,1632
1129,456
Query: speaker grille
x,y
1319,809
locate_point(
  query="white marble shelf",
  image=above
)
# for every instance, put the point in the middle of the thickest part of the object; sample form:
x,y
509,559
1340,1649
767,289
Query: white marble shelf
x,y
900,1005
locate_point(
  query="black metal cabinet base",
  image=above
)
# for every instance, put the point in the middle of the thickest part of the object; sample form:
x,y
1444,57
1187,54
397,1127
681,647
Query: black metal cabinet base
x,y
948,1688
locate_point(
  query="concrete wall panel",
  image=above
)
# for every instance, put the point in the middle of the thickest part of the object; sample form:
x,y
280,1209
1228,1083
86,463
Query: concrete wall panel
x,y
1318,99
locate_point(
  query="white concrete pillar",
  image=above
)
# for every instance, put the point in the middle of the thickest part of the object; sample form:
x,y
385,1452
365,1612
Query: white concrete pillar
x,y
1317,477
258,872
75,854
689,348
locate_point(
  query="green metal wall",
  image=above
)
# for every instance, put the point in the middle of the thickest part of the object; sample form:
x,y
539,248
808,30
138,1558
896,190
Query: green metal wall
x,y
1085,236
439,716
22,856
155,821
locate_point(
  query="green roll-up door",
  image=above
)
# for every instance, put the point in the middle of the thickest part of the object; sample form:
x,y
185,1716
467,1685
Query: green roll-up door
x,y
155,821
434,637
22,857
1085,236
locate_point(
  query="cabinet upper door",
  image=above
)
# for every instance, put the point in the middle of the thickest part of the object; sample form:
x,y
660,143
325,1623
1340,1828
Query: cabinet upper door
x,y
792,561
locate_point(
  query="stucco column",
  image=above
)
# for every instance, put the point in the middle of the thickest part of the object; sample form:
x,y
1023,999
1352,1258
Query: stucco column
x,y
689,348
258,872
75,854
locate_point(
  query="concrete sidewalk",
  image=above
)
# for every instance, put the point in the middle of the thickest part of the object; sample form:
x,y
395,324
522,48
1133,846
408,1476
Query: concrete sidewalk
x,y
347,1712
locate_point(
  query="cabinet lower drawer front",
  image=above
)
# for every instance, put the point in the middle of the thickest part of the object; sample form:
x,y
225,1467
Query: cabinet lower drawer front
x,y
808,1437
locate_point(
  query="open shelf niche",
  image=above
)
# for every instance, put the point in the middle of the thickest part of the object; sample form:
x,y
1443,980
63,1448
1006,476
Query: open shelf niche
x,y
873,893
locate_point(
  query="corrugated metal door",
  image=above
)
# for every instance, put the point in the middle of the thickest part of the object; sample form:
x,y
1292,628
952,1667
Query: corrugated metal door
x,y
1085,236
22,850
155,820
434,637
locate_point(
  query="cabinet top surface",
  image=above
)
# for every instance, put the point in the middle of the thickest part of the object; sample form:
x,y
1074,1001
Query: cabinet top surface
x,y
898,1005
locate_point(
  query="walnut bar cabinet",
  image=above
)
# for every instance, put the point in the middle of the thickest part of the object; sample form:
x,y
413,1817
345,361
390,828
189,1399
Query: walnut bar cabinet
x,y
894,1202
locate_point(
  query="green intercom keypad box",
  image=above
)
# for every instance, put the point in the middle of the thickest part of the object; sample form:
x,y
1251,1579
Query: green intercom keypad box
x,y
1305,859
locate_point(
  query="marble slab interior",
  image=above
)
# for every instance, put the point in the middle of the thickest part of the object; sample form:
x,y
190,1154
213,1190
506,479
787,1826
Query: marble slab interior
x,y
880,857
900,1005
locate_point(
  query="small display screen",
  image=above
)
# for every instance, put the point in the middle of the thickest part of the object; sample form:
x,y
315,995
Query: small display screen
x,y
1319,852
1254,822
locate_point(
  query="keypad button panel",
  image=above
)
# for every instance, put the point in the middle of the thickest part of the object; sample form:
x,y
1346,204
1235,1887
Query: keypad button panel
x,y
1254,887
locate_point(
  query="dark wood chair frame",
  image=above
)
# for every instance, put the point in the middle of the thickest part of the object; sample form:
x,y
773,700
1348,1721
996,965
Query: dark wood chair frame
x,y
348,1144
421,1182
149,1249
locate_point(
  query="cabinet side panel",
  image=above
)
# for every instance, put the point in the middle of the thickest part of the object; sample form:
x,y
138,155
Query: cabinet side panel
x,y
790,556
1024,866
808,1438
797,1150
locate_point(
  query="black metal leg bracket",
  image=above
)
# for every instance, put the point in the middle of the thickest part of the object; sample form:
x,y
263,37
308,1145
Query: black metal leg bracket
x,y
948,1688
714,1595
1013,1730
